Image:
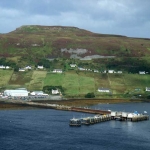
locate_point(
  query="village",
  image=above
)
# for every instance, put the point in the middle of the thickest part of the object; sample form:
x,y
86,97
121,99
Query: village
x,y
56,93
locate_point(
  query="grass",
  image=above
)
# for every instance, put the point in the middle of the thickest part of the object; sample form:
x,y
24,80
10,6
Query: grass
x,y
37,81
5,76
53,79
21,78
73,83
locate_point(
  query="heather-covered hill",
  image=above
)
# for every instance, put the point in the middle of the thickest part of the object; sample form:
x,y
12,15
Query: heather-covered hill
x,y
34,42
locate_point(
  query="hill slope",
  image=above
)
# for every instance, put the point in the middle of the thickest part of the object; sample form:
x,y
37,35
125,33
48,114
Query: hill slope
x,y
56,41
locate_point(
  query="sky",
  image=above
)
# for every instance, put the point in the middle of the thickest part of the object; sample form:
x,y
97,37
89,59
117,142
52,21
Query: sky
x,y
122,17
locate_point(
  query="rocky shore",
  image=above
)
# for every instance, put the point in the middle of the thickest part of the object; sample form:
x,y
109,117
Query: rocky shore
x,y
10,104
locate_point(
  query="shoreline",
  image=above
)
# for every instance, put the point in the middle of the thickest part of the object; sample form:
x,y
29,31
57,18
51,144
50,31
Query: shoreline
x,y
12,105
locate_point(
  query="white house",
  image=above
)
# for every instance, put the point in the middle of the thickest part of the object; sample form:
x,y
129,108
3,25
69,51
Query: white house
x,y
147,89
40,67
141,72
105,90
21,69
95,70
73,65
55,92
110,71
57,71
2,67
7,67
28,67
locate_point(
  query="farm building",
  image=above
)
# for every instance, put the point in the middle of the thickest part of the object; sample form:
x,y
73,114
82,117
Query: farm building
x,y
105,90
15,93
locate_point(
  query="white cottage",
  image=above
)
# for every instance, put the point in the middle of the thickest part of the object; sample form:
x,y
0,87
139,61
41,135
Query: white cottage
x,y
73,65
40,67
55,92
2,67
7,67
28,67
141,72
105,90
110,71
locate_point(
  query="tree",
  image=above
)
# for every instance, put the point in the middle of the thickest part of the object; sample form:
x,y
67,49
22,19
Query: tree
x,y
89,95
16,69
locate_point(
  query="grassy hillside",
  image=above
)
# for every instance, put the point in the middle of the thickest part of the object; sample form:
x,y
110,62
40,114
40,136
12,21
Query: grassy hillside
x,y
78,84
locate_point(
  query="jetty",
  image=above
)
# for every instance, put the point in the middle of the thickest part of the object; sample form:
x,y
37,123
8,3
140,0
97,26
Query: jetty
x,y
100,115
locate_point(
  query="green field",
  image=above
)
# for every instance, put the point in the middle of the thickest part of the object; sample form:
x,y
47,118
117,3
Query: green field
x,y
5,76
36,82
81,84
76,84
73,83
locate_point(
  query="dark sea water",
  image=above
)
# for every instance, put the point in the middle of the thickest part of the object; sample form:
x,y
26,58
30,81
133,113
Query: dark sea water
x,y
46,129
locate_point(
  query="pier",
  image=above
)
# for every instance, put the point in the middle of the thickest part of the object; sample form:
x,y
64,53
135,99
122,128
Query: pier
x,y
100,115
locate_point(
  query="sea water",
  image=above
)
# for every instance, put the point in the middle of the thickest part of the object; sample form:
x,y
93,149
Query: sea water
x,y
47,129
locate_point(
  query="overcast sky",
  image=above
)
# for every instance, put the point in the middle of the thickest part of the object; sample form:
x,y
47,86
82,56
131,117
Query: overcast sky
x,y
123,17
